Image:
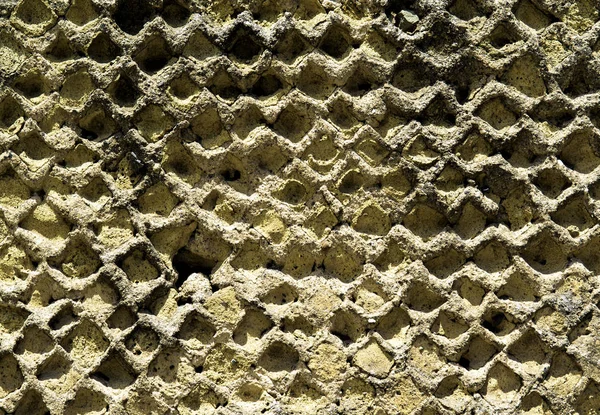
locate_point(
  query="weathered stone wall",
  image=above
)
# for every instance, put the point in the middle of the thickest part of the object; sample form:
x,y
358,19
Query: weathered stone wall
x,y
299,207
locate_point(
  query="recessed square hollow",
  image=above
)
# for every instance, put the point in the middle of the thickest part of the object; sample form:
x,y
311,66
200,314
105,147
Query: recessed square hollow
x,y
10,112
77,86
35,16
544,254
469,290
394,326
492,257
586,402
425,221
525,76
12,318
362,80
247,120
174,13
291,45
450,179
81,12
439,112
301,260
85,343
13,191
412,76
292,324
578,79
519,286
78,259
268,84
502,385
578,152
293,122
343,262
142,341
524,150
529,350
502,36
497,113
31,146
11,376
426,356
347,325
54,368
499,322
308,9
589,254
122,318
154,54
46,222
564,374
31,403
419,296
253,327
532,15
341,113
96,124
471,222
554,113
64,317
138,267
293,192
370,296
86,401
114,372
170,365
374,152
551,181
475,147
197,331
315,81
132,15
479,351
210,129
14,263
183,87
446,263
223,85
200,47
243,45
420,152
60,49
186,263
336,42
79,156
466,9
32,85
153,122
281,295
96,191
103,49
123,91
279,357
157,199
200,398
574,215
449,325
535,403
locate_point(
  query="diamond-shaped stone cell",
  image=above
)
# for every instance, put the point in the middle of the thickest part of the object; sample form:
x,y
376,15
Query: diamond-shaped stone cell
x,y
299,207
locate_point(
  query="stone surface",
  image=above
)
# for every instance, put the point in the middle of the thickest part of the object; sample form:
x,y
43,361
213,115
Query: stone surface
x,y
299,207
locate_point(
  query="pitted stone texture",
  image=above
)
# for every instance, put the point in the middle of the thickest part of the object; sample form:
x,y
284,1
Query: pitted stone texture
x,y
299,207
